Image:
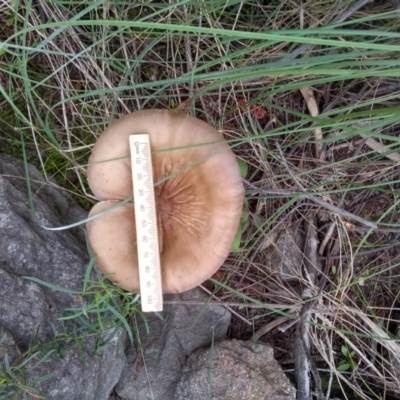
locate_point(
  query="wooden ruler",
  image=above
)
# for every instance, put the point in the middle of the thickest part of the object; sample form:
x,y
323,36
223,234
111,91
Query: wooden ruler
x,y
146,224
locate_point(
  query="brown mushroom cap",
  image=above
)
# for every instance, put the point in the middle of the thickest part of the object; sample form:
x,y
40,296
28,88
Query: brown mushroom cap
x,y
199,201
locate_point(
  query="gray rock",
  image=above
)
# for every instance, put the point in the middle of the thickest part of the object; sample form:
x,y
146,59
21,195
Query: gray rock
x,y
28,311
7,347
156,364
24,309
75,378
234,370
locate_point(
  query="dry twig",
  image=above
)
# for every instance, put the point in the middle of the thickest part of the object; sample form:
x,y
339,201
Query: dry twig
x,y
313,108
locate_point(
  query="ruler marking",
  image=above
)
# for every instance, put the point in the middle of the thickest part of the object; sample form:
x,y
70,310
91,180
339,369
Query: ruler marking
x,y
146,226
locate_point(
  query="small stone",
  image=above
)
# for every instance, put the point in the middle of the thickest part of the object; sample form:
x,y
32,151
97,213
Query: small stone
x,y
234,370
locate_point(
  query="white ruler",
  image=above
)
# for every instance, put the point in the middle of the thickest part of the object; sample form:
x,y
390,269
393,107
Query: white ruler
x,y
146,224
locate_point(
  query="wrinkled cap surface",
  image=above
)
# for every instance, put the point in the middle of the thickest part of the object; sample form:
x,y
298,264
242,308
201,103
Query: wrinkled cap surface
x,y
198,202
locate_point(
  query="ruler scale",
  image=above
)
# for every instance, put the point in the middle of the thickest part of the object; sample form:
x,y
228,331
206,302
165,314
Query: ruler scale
x,y
146,224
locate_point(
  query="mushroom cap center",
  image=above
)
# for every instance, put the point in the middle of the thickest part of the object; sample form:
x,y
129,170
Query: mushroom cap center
x,y
178,202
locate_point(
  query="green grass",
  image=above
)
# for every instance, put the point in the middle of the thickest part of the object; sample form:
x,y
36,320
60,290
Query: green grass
x,y
68,69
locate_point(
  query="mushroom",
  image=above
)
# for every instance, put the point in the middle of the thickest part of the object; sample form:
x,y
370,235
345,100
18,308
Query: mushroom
x,y
199,197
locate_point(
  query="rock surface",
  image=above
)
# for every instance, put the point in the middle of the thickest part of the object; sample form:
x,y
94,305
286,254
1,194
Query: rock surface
x,y
7,347
29,311
234,370
286,259
156,364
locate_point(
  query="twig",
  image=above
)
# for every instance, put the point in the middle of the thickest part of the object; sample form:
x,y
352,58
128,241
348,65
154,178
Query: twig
x,y
267,328
327,237
313,109
267,306
382,230
275,192
370,142
327,356
303,361
351,11
310,261
302,355
380,148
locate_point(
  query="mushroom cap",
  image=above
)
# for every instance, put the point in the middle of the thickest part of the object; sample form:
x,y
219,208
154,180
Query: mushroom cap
x,y
199,200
